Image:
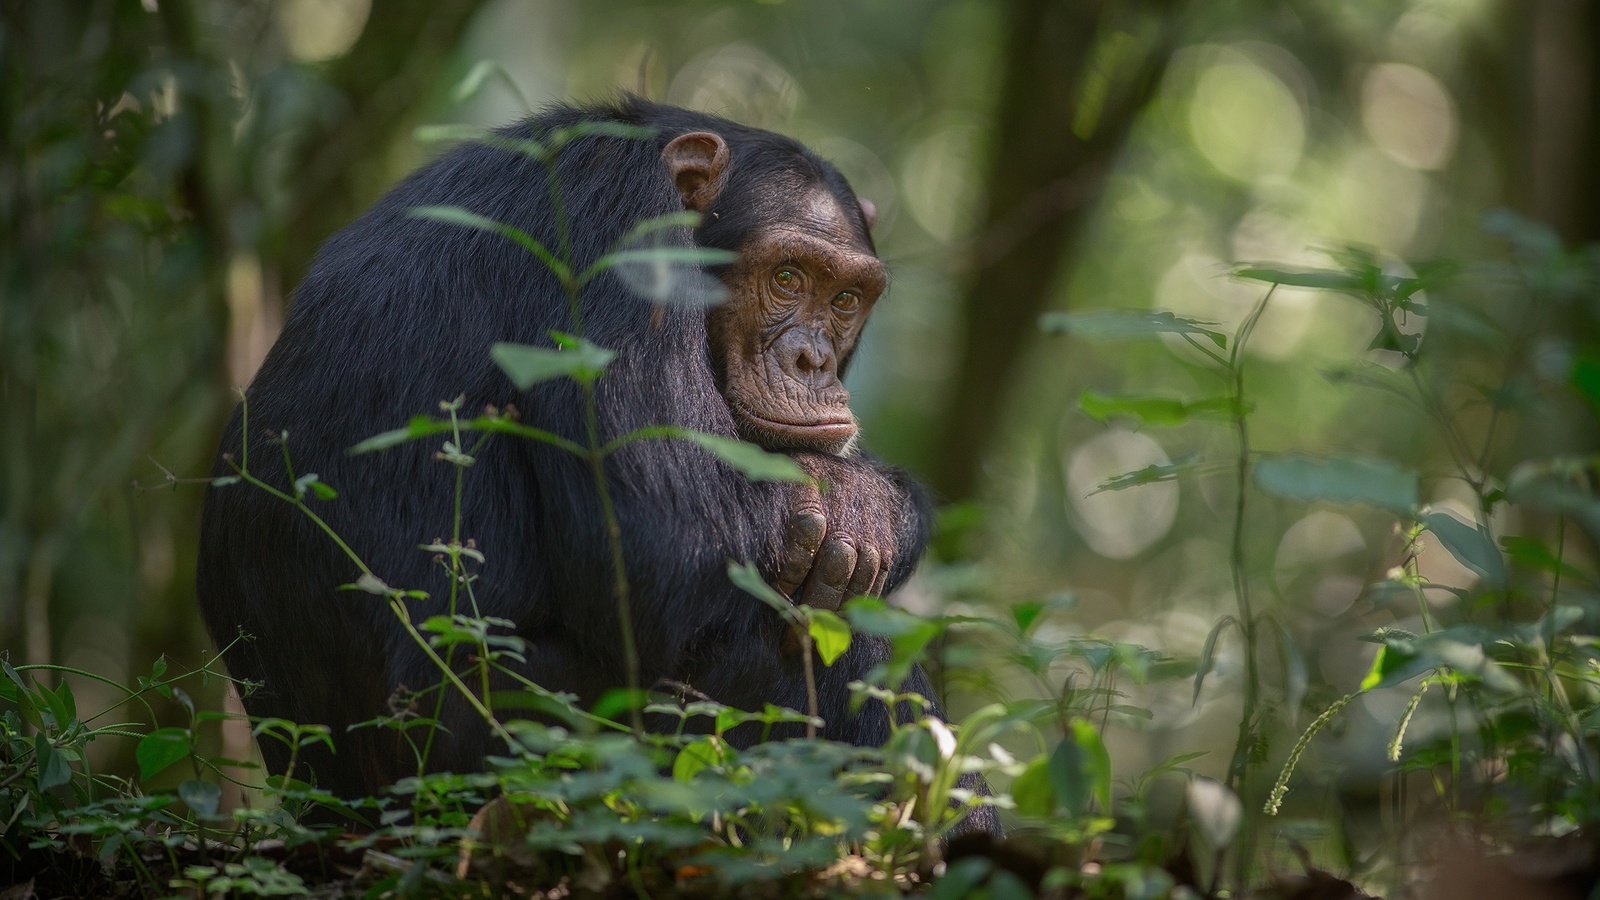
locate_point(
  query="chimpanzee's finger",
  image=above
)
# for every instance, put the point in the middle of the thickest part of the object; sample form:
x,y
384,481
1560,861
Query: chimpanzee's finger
x,y
801,539
830,574
881,585
866,573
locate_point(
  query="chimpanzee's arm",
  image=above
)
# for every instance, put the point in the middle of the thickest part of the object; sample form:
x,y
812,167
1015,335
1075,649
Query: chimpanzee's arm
x,y
860,530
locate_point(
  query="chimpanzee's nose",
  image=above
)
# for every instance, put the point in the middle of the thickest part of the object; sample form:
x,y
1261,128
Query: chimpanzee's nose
x,y
807,355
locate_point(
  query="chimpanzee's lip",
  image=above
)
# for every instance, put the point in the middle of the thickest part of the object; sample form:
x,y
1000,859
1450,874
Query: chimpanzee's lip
x,y
831,431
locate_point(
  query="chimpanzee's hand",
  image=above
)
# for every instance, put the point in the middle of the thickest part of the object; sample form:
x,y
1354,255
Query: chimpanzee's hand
x,y
841,540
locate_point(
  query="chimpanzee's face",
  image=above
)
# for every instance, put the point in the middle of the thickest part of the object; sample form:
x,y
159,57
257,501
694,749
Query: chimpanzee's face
x,y
798,298
799,295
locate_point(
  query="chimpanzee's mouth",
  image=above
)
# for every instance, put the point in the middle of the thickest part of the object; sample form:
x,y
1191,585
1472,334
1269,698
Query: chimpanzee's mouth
x,y
829,434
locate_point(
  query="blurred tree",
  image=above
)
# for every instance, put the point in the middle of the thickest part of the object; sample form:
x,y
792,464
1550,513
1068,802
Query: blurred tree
x,y
1076,76
169,165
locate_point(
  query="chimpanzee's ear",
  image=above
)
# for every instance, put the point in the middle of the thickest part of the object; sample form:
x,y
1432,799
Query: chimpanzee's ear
x,y
698,164
869,211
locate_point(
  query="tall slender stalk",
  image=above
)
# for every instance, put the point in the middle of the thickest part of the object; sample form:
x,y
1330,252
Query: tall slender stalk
x,y
596,448
1238,767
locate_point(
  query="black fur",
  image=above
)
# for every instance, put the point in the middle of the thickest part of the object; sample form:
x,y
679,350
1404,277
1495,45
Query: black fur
x,y
398,313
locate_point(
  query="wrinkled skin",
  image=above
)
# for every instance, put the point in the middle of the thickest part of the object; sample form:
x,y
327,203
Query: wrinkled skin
x,y
799,297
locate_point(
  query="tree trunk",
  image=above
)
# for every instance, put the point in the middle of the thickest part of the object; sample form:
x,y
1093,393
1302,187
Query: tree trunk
x,y
1076,77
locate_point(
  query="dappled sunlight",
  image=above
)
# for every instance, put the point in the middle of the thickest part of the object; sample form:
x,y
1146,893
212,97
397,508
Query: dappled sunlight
x,y
319,30
1243,117
1197,285
739,81
938,190
1409,115
1119,524
1319,563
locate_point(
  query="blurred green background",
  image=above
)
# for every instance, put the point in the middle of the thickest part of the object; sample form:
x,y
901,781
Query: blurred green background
x,y
167,170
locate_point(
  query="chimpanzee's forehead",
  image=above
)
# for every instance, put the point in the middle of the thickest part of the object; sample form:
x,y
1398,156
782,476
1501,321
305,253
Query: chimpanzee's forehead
x,y
820,212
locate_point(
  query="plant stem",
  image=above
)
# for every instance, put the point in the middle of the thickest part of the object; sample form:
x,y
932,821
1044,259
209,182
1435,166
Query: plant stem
x,y
1239,765
812,708
619,572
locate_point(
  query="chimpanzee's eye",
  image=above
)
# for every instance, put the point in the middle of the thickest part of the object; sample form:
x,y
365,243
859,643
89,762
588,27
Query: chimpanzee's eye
x,y
786,278
847,301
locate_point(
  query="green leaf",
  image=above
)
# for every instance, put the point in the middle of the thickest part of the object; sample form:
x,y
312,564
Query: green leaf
x,y
1080,770
201,796
1338,480
1320,279
160,749
1025,614
422,427
527,366
1154,411
1558,484
54,770
1031,791
695,757
311,482
560,137
829,633
745,577
1404,656
646,227
1122,324
908,634
1585,378
1470,544
664,255
418,427
473,81
1532,553
433,134
455,215
479,75
617,701
1151,474
747,459
1207,653
63,708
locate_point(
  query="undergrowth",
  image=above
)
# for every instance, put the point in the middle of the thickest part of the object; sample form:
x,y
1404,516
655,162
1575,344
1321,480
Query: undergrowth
x,y
586,801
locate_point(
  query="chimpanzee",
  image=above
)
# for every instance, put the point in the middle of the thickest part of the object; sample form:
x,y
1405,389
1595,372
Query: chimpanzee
x,y
399,312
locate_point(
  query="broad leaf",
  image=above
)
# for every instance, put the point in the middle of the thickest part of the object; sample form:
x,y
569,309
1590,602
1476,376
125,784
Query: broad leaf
x,y
829,633
695,757
745,577
54,770
1319,279
746,458
1149,410
1080,770
527,366
1032,790
1338,480
1112,325
690,255
1470,544
203,797
160,749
